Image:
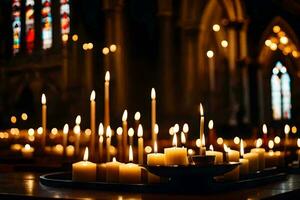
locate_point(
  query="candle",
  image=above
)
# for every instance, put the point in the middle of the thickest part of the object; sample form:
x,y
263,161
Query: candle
x,y
153,113
58,150
182,138
65,138
124,123
84,171
175,155
108,143
253,161
137,117
16,147
202,147
212,137
261,155
27,151
265,134
201,126
106,100
232,156
298,151
77,133
101,172
280,157
270,157
93,124
131,134
112,171
140,145
155,158
286,132
101,140
70,150
44,120
130,172
244,163
185,128
218,155
119,141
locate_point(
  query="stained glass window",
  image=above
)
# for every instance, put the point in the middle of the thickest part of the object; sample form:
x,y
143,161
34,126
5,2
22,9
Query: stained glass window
x,y
29,20
281,92
16,25
65,16
46,24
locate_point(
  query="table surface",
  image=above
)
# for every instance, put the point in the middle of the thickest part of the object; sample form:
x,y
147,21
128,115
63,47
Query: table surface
x,y
26,185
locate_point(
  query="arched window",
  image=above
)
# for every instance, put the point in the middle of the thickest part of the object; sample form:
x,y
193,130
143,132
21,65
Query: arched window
x,y
65,16
281,92
16,25
29,20
46,24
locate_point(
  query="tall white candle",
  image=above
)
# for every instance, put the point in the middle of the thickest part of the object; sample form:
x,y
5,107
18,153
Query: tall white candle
x,y
153,114
201,125
140,145
130,135
101,140
119,141
125,129
106,100
93,124
65,138
108,143
44,120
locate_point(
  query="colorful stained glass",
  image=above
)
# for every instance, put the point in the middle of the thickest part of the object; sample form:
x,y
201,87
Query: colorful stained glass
x,y
29,20
46,24
65,16
16,25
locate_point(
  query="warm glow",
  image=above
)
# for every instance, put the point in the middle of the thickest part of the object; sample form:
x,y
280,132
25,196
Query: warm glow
x,y
114,159
88,132
174,141
75,37
90,45
43,99
211,124
203,140
85,46
176,128
93,96
108,132
78,120
210,54
31,132
211,147
13,119
171,131
271,144
137,116
66,129
54,131
198,143
100,129
120,131
155,147
113,48
185,128
148,149
242,148
153,94
264,129
24,116
107,76
130,154
295,53
287,129
298,142
27,146
101,139
258,142
65,37
284,40
276,29
86,154
191,152
182,138
294,129
216,27
226,149
124,116
140,131
40,131
277,140
236,140
273,46
268,43
156,129
220,141
224,43
201,110
76,129
105,50
130,132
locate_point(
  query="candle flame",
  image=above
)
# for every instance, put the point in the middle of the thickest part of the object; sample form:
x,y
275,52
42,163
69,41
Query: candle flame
x,y
137,116
27,146
211,124
124,116
242,147
107,76
185,128
171,130
174,141
271,144
287,129
119,131
182,137
86,154
130,132
155,147
130,154
226,149
101,139
203,140
100,129
43,99
140,131
264,129
201,110
298,142
78,120
153,94
108,131
156,128
176,128
114,159
93,96
258,142
76,129
211,147
66,129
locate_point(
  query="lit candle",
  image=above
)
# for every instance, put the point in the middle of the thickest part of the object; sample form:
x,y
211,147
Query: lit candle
x,y
131,134
125,129
185,129
84,171
106,100
286,132
70,151
101,172
140,145
212,137
65,138
218,155
298,151
16,147
44,120
155,158
119,141
201,126
101,140
27,151
92,124
112,171
108,142
153,114
202,147
176,155
130,172
244,163
261,155
270,157
182,138
77,133
232,156
252,157
137,117
265,134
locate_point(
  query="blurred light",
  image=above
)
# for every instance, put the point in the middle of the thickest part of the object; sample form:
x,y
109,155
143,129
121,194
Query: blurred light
x,y
287,129
148,149
268,43
113,48
185,128
273,46
294,129
270,144
171,131
220,141
258,143
284,40
216,27
31,132
88,132
276,29
65,37
40,131
105,50
75,37
137,116
236,140
13,119
224,43
54,131
176,128
210,54
277,140
24,116
119,131
210,124
85,46
295,54
90,46
198,143
191,152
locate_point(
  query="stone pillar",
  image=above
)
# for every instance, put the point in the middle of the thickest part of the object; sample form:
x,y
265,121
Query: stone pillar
x,y
38,27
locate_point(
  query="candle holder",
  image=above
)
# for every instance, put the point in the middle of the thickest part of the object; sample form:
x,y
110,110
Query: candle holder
x,y
202,160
